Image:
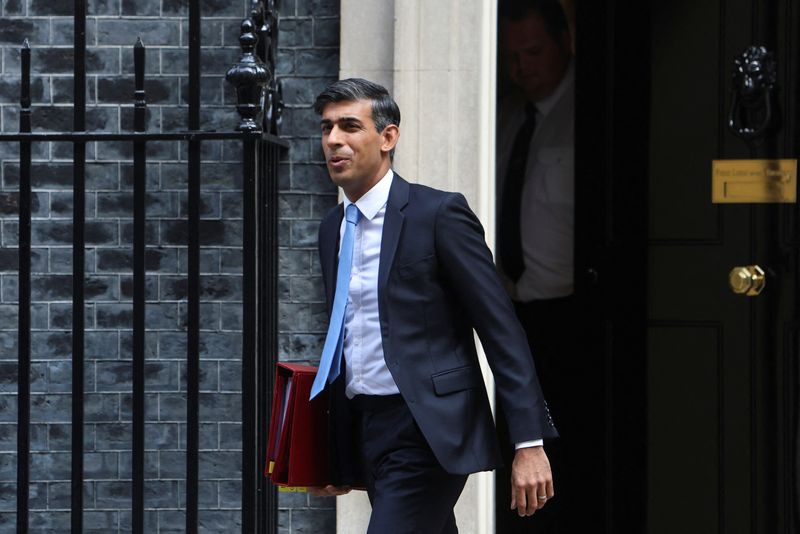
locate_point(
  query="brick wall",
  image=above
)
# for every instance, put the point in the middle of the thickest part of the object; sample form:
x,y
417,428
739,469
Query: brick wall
x,y
308,60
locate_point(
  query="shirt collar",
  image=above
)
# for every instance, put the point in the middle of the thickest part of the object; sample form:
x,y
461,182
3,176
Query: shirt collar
x,y
375,199
548,103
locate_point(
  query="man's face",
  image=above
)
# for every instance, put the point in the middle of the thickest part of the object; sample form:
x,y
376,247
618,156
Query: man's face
x,y
535,61
356,153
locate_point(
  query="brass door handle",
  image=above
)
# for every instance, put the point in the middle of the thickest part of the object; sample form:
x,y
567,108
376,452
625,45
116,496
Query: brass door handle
x,y
749,280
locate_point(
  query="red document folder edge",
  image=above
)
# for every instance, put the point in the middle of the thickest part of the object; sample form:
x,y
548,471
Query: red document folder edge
x,y
297,451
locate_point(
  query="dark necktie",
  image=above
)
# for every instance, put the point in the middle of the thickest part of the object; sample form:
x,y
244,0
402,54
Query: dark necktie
x,y
509,238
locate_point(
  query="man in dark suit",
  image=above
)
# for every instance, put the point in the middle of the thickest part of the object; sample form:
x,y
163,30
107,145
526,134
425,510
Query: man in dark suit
x,y
413,275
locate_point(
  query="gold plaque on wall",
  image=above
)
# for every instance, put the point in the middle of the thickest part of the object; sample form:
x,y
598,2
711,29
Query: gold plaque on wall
x,y
744,181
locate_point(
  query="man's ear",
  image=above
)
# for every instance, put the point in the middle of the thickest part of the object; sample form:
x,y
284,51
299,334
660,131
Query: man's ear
x,y
389,137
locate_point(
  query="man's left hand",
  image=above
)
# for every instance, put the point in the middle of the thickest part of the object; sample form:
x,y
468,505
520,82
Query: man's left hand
x,y
531,480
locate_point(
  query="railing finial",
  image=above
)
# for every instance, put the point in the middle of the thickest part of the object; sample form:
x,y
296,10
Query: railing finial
x,y
250,76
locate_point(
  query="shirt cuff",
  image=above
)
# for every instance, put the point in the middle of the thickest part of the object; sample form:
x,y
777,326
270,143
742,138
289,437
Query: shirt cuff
x,y
526,444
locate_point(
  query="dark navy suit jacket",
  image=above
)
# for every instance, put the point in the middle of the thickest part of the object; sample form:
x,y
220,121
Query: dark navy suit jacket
x,y
437,282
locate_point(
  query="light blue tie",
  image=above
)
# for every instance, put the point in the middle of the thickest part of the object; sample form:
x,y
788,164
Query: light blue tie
x,y
331,360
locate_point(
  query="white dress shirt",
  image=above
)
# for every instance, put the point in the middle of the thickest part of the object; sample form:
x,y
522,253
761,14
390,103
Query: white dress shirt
x,y
367,372
547,218
365,366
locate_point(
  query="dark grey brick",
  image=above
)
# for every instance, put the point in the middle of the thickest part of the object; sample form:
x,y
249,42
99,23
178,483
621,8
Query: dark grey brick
x,y
150,520
313,521
14,31
302,121
99,407
50,7
326,32
318,62
301,347
47,408
210,32
209,206
318,8
153,175
120,90
321,204
219,521
121,260
153,32
212,232
152,61
208,491
157,205
115,316
220,464
150,465
231,317
103,7
174,61
13,7
304,233
150,287
172,407
101,345
150,233
312,178
231,261
210,92
101,465
209,260
59,119
50,521
295,32
303,91
294,261
209,436
10,89
113,436
113,494
62,31
208,376
59,494
50,466
8,437
213,177
60,60
152,119
294,206
307,289
150,8
100,521
286,62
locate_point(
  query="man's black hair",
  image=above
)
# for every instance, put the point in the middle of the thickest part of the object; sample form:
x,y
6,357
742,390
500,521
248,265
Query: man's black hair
x,y
551,11
384,108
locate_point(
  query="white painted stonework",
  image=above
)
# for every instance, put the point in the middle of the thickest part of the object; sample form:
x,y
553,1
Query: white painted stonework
x,y
437,57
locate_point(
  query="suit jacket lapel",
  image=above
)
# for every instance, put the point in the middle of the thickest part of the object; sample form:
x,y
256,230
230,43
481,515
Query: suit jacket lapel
x,y
329,248
392,228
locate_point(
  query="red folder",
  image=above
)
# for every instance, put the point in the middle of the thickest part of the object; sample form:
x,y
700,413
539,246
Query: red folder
x,y
297,450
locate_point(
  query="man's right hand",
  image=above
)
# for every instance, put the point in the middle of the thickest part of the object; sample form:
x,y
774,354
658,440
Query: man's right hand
x,y
328,491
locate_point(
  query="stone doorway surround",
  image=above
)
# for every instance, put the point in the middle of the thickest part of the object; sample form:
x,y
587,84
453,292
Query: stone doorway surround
x,y
438,60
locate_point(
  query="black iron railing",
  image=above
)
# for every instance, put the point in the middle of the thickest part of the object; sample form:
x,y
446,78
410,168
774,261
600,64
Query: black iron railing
x,y
257,89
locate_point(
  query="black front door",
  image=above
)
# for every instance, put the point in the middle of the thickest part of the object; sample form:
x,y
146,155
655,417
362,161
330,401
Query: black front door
x,y
701,382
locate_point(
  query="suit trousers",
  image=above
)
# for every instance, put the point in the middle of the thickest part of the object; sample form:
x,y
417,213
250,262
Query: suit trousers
x,y
571,379
409,491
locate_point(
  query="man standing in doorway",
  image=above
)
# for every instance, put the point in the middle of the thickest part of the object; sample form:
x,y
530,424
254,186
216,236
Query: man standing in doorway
x,y
536,214
408,276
